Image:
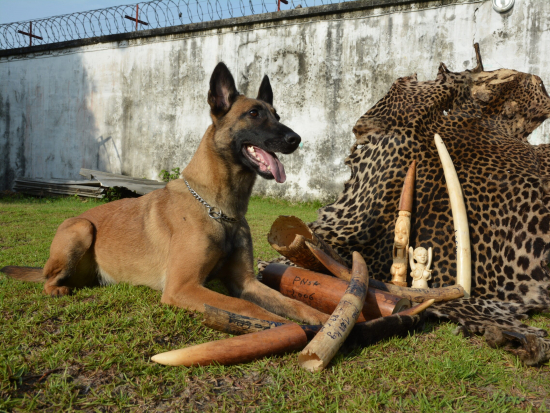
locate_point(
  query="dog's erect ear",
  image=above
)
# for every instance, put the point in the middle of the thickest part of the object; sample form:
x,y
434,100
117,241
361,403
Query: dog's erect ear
x,y
222,93
265,93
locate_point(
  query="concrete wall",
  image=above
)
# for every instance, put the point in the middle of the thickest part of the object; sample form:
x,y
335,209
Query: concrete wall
x,y
137,106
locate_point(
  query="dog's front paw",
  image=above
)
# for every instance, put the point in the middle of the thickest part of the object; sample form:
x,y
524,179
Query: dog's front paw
x,y
323,318
317,318
56,291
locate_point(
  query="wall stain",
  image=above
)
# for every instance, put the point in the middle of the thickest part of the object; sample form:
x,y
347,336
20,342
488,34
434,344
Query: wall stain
x,y
140,106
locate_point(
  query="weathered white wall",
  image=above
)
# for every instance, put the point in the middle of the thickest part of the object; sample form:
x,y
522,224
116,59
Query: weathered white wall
x,y
139,106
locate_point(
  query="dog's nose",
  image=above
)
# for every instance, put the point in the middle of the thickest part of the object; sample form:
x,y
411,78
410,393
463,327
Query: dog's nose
x,y
293,138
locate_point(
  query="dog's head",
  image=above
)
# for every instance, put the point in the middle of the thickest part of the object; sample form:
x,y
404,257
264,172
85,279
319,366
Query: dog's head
x,y
249,128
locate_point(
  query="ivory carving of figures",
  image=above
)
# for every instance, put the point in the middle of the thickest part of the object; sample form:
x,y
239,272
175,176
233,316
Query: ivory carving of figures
x,y
400,252
398,269
421,272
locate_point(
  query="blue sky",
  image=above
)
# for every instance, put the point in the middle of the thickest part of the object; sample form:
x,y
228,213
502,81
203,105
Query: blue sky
x,y
17,10
22,10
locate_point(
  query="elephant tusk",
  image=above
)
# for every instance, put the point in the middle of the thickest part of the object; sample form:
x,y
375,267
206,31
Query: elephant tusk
x,y
330,338
418,295
239,349
460,219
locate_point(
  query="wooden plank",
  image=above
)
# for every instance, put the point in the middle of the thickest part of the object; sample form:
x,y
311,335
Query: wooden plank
x,y
76,188
139,186
89,173
132,186
109,181
81,188
58,191
59,181
38,192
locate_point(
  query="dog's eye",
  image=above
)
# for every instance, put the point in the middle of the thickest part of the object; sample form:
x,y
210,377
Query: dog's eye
x,y
253,113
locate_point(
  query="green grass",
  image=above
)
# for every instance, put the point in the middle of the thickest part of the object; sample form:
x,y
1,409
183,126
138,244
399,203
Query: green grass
x,y
90,351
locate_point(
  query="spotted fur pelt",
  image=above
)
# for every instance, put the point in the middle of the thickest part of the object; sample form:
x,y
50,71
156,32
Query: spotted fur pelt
x,y
484,119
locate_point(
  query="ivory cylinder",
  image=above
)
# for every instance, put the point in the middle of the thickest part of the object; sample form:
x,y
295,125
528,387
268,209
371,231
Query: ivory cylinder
x,y
289,236
324,292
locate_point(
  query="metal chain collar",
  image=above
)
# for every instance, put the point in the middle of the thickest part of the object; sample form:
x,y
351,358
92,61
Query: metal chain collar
x,y
212,213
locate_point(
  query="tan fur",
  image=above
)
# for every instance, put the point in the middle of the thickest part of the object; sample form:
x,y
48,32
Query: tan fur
x,y
167,241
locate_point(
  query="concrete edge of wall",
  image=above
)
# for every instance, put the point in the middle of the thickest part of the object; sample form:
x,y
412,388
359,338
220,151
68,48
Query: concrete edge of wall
x,y
218,24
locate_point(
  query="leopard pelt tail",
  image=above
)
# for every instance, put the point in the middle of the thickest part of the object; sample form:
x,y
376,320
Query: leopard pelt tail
x,y
500,324
532,349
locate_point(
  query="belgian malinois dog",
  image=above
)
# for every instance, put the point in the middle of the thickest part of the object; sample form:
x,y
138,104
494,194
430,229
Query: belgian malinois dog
x,y
176,238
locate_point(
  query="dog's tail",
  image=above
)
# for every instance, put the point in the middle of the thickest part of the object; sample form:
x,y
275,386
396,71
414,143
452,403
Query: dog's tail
x,y
32,274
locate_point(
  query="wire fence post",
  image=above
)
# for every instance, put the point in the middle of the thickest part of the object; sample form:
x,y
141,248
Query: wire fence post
x,y
137,20
30,34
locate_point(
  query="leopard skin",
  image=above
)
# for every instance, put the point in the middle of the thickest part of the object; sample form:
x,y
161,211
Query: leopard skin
x,y
484,118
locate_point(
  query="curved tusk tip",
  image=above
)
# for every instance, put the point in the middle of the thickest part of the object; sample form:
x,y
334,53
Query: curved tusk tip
x,y
163,358
421,307
358,258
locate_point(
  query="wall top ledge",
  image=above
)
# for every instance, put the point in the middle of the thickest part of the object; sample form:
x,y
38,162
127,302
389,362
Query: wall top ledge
x,y
231,22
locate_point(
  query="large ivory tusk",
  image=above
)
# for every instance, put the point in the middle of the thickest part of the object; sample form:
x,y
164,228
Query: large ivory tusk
x,y
239,349
330,338
418,295
460,219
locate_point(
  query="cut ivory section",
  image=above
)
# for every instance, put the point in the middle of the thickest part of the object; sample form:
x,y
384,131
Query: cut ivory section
x,y
288,236
330,338
460,219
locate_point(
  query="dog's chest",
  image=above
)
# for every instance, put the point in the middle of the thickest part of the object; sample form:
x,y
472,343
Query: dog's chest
x,y
229,238
233,245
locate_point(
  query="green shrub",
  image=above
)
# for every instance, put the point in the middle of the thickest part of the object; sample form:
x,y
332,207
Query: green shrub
x,y
167,176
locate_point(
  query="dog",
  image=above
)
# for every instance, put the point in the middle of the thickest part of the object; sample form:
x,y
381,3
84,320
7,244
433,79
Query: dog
x,y
177,238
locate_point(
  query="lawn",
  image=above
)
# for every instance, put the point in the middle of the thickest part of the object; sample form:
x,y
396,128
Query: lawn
x,y
90,351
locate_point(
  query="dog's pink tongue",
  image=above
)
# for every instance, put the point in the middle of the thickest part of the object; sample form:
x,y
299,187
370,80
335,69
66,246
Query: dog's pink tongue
x,y
276,167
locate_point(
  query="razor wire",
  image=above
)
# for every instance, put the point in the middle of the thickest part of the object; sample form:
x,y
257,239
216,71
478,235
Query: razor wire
x,y
149,15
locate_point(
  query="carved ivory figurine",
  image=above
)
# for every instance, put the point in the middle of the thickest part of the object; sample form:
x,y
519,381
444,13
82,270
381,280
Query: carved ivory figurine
x,y
421,272
398,269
